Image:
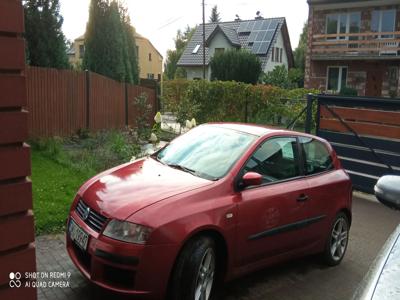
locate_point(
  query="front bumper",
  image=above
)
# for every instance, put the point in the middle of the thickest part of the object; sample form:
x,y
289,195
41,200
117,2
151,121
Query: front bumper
x,y
141,270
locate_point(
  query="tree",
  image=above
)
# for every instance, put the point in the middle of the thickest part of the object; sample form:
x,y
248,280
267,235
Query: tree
x,y
110,47
236,65
46,45
173,56
300,52
215,18
278,77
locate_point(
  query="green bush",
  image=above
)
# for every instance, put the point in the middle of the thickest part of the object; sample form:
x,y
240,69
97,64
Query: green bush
x,y
227,101
237,65
348,92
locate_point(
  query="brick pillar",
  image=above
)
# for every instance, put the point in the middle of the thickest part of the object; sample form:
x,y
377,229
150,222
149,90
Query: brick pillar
x,y
307,72
17,251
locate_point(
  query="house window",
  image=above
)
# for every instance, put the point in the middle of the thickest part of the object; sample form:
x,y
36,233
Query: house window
x,y
196,49
81,51
337,78
149,56
150,76
280,55
383,21
273,54
219,50
343,23
277,54
159,77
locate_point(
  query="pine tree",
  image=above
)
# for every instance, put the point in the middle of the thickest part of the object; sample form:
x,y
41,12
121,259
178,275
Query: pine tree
x,y
110,47
45,41
215,18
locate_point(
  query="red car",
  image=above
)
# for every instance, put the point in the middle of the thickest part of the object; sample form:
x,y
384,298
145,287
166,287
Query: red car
x,y
217,202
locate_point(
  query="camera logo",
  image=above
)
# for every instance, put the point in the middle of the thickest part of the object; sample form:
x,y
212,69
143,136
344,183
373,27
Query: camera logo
x,y
15,279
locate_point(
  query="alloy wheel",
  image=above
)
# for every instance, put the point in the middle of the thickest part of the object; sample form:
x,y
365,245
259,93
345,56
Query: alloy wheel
x,y
205,276
339,238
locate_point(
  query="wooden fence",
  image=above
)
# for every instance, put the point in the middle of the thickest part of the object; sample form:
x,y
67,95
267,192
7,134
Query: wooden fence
x,y
60,102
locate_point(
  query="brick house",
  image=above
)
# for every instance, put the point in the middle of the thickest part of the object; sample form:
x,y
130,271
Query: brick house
x,y
354,43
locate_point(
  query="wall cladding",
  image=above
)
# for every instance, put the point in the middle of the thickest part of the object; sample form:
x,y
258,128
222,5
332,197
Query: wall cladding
x,y
17,250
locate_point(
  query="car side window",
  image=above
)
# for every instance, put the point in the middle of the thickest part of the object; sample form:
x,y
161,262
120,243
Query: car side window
x,y
276,159
316,156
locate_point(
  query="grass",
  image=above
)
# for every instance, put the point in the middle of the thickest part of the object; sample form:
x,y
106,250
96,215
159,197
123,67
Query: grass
x,y
54,187
61,166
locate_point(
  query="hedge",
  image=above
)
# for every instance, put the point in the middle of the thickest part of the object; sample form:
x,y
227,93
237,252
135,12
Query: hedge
x,y
228,101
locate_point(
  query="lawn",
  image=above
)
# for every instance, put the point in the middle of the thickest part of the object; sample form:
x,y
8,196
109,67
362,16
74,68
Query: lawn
x,y
54,187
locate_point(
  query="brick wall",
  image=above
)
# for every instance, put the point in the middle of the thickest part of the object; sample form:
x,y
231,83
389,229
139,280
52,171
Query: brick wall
x,y
316,71
17,251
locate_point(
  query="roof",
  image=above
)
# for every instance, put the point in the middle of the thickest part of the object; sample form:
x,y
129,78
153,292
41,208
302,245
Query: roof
x,y
334,1
255,35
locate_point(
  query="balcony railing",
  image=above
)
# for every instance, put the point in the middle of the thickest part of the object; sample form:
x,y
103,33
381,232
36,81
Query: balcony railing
x,y
366,44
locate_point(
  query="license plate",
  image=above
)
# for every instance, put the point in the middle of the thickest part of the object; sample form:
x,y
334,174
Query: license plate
x,y
78,235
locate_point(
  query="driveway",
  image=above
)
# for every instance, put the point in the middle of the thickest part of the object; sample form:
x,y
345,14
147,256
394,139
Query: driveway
x,y
300,279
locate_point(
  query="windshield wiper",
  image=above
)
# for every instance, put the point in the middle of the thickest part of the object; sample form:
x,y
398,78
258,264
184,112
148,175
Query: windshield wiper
x,y
185,169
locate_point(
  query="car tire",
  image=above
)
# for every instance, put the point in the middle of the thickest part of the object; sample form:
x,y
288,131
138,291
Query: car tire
x,y
195,270
338,240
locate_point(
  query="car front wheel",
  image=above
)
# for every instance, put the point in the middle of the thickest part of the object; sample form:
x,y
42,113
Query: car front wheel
x,y
338,239
194,273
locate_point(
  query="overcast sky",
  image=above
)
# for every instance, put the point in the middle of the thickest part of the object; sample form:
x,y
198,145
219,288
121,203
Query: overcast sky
x,y
158,20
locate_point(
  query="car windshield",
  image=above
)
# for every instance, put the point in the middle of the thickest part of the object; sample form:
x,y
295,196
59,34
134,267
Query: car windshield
x,y
206,151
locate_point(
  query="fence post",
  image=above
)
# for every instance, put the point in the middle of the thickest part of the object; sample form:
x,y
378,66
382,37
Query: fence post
x,y
87,74
126,106
309,118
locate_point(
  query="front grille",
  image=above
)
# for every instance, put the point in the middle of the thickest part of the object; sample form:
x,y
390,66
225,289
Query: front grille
x,y
94,220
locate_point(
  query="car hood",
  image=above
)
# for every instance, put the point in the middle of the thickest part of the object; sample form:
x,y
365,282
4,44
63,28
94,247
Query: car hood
x,y
122,191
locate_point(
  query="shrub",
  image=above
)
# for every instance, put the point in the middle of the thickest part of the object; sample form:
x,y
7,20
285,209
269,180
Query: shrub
x,y
144,110
348,92
227,101
236,65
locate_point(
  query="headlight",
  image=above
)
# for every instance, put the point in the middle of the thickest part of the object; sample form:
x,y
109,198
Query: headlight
x,y
127,232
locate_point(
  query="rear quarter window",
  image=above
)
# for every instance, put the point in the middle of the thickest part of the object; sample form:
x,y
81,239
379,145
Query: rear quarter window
x,y
317,158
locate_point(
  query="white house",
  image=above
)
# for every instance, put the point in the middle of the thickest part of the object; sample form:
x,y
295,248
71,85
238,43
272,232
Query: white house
x,y
267,38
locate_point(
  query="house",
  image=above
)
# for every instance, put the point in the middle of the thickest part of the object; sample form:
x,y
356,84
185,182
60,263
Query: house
x,y
149,58
354,43
267,38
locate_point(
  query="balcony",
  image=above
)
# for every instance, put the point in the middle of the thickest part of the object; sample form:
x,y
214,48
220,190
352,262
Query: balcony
x,y
356,46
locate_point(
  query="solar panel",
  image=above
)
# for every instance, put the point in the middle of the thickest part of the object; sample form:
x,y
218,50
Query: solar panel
x,y
242,27
265,24
268,35
258,25
256,47
250,26
252,37
263,47
273,25
260,36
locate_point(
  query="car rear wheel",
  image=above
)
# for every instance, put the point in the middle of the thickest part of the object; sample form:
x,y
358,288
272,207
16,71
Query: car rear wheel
x,y
337,242
194,273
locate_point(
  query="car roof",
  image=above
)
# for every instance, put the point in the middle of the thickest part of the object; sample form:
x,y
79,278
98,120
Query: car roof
x,y
253,129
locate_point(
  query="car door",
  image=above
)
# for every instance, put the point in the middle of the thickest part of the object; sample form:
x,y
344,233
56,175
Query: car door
x,y
271,215
324,186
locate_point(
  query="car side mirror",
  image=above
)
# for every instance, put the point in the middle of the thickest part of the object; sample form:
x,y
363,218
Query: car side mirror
x,y
251,179
387,191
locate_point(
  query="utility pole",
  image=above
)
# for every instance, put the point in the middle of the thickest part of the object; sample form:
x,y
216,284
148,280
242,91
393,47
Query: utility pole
x,y
204,42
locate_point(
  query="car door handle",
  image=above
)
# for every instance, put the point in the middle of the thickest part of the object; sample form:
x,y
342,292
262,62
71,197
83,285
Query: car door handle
x,y
302,198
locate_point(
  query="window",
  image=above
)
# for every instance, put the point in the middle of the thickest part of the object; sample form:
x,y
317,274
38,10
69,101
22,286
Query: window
x,y
150,76
280,54
343,23
273,54
276,159
277,54
81,51
337,78
219,50
196,49
159,77
316,156
383,21
149,56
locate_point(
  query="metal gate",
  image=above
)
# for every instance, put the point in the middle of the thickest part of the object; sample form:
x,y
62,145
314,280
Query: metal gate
x,y
365,132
